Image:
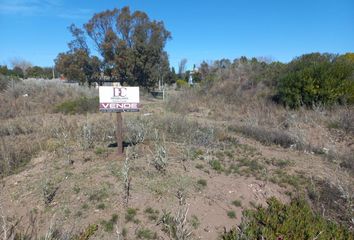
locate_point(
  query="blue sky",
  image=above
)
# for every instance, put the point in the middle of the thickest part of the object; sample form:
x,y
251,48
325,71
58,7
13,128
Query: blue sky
x,y
36,30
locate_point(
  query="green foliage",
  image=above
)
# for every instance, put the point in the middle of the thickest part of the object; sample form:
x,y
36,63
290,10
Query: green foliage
x,y
108,226
237,203
216,165
291,222
152,214
231,214
194,221
78,106
130,215
78,65
87,233
202,183
144,233
131,46
39,72
101,206
181,83
316,79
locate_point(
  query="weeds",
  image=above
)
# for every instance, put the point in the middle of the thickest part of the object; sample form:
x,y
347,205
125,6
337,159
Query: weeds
x,y
176,226
267,136
237,203
87,233
194,221
152,214
293,221
160,155
201,184
109,225
126,180
49,191
346,121
231,214
130,214
216,165
87,136
144,233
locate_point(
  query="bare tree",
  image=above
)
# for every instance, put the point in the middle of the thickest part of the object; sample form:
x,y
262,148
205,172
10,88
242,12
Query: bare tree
x,y
21,63
182,67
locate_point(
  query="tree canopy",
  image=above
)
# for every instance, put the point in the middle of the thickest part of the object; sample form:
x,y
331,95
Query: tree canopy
x,y
130,44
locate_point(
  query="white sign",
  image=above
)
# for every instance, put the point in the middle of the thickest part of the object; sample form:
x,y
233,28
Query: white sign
x,y
119,99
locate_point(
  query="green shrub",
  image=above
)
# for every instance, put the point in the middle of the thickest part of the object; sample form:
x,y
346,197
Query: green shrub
x,y
130,215
181,83
231,214
145,233
152,214
194,221
216,165
78,106
314,79
292,222
202,182
108,226
87,233
237,203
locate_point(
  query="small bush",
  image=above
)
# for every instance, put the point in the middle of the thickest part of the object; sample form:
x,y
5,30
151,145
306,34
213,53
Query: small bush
x,y
347,161
216,165
194,221
231,214
152,214
267,136
292,222
87,233
78,106
181,83
346,121
4,82
101,206
145,233
201,184
237,203
130,214
108,226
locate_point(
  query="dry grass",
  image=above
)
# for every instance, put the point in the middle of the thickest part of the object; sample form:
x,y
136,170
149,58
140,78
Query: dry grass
x,y
207,131
38,96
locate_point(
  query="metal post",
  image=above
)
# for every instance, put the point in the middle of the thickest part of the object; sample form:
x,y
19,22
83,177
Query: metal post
x,y
119,133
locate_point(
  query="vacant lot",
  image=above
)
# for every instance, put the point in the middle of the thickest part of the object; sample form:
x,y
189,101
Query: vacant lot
x,y
192,164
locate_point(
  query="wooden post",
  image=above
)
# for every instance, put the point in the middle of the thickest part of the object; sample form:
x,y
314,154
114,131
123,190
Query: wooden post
x,y
119,133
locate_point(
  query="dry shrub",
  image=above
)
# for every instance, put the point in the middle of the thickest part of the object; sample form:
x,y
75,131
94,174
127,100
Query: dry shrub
x,y
347,161
178,128
333,200
188,100
16,152
346,120
38,96
267,136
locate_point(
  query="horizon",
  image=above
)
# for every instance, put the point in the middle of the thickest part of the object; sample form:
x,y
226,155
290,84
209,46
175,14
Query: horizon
x,y
201,31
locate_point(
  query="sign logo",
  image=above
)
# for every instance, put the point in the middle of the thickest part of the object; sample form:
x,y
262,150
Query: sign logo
x,y
119,99
119,92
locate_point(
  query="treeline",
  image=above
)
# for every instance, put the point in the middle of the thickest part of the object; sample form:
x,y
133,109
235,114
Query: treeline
x,y
308,80
28,72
